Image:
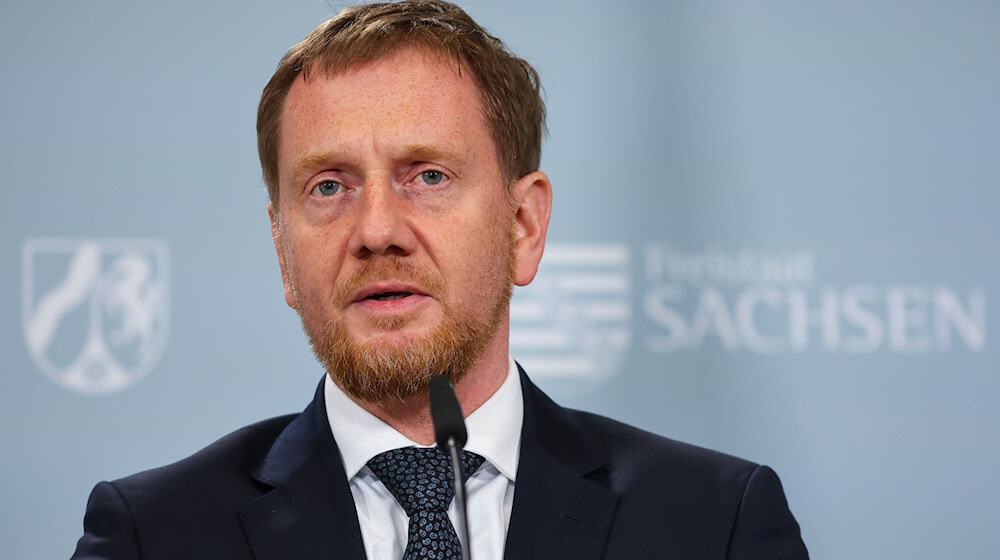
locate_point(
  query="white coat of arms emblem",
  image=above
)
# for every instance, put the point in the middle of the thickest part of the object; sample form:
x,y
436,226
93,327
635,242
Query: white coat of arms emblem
x,y
573,321
94,312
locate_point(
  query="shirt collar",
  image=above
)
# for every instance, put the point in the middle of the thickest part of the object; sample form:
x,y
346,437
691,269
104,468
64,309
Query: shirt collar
x,y
494,428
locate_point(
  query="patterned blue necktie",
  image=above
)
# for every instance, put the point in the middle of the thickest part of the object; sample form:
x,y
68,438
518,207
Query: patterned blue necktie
x,y
421,481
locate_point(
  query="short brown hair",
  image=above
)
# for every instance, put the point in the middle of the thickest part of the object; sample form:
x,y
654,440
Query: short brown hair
x,y
510,89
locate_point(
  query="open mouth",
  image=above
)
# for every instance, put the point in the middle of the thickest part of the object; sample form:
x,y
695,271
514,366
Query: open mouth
x,y
389,296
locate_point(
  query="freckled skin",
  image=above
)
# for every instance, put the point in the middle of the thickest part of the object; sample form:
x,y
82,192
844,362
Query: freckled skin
x,y
373,131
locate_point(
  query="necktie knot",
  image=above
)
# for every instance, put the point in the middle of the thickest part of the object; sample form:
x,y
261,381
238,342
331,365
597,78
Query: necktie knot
x,y
420,478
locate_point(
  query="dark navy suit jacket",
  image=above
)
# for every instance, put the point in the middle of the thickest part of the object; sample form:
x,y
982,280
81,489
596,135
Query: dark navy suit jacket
x,y
587,488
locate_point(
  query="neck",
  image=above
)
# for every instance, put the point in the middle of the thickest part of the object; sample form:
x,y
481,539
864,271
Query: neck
x,y
412,417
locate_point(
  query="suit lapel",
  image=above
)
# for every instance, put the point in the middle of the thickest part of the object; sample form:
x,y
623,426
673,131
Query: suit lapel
x,y
308,511
558,512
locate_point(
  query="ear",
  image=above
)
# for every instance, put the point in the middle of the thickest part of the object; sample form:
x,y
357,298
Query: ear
x,y
533,196
276,237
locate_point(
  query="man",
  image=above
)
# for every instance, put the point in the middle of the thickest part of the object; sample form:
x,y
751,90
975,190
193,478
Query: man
x,y
400,145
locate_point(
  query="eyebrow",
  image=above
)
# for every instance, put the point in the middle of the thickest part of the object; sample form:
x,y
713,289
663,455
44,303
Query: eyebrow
x,y
425,152
313,160
422,152
455,160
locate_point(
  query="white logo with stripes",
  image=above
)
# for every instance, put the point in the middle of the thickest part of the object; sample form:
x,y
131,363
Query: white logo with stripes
x,y
94,311
574,319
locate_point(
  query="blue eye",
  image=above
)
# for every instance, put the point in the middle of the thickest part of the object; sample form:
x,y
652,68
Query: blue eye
x,y
432,177
327,188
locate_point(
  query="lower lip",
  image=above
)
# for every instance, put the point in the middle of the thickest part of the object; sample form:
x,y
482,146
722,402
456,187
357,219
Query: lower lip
x,y
391,305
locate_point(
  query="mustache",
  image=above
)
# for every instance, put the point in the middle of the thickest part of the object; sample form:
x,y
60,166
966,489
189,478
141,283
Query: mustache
x,y
388,270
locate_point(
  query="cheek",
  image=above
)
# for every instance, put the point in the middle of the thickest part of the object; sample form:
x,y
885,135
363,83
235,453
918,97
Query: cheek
x,y
326,212
485,251
315,263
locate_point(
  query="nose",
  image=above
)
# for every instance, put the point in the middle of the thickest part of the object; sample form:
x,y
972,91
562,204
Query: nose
x,y
382,226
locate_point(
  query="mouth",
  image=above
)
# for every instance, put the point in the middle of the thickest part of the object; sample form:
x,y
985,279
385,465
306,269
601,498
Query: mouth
x,y
389,297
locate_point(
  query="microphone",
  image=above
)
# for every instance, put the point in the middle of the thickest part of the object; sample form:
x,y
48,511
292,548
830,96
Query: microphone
x,y
449,431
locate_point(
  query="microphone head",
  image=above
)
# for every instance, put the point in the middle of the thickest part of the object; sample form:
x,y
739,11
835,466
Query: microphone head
x,y
446,413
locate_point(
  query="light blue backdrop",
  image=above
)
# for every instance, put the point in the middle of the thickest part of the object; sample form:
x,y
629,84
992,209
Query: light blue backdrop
x,y
780,218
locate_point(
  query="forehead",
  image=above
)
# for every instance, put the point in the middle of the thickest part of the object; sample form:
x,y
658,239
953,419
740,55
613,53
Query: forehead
x,y
411,96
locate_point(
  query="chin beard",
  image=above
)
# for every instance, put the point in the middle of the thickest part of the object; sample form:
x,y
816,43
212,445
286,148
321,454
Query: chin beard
x,y
378,372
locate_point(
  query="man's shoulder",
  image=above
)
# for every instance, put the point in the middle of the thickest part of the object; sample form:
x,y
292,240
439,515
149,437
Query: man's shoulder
x,y
636,452
633,459
186,509
226,464
682,497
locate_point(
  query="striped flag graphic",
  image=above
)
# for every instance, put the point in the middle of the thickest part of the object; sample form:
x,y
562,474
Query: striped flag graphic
x,y
574,320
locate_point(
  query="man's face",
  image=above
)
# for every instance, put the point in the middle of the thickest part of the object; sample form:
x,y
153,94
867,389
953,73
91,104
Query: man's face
x,y
394,228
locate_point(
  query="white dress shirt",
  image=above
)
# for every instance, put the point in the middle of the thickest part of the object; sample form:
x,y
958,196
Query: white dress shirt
x,y
494,432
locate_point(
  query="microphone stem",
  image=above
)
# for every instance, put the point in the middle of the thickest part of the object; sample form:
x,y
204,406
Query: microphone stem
x,y
463,514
